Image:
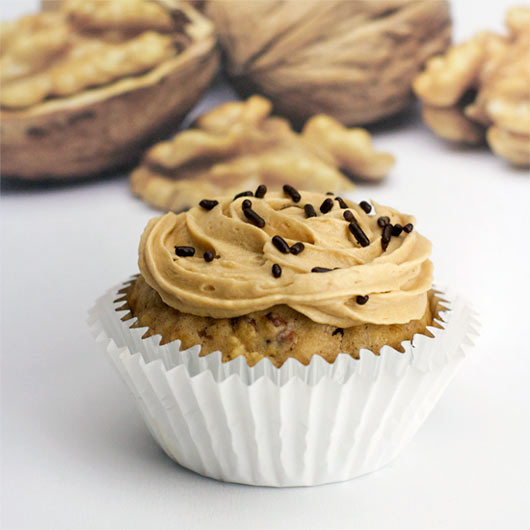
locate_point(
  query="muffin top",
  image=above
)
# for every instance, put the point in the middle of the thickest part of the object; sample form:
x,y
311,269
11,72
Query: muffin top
x,y
335,261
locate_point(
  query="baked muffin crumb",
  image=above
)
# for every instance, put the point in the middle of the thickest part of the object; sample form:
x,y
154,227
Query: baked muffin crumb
x,y
278,333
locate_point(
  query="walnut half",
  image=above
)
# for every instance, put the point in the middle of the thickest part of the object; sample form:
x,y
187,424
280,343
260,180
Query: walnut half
x,y
239,145
86,87
480,89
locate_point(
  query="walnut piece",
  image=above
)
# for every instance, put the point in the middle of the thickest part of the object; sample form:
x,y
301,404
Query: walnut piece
x,y
126,15
86,44
89,64
239,145
494,70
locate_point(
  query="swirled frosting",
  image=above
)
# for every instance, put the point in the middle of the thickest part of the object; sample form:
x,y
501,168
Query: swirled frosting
x,y
239,279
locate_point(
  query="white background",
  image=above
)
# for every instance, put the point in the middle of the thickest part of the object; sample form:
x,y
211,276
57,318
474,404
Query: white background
x,y
75,453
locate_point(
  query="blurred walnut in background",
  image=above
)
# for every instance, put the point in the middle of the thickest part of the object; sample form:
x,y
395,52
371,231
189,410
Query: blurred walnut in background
x,y
50,5
87,84
482,87
88,44
239,145
352,60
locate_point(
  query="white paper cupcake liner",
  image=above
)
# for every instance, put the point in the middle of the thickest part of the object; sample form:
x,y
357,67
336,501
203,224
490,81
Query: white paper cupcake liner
x,y
291,426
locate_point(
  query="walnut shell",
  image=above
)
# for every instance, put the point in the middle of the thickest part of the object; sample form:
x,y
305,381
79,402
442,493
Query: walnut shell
x,y
109,126
353,60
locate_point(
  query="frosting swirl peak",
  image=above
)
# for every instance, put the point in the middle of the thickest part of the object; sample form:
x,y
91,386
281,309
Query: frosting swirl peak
x,y
239,279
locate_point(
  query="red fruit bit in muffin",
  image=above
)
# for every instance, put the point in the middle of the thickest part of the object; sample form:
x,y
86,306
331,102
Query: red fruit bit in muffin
x,y
276,320
286,334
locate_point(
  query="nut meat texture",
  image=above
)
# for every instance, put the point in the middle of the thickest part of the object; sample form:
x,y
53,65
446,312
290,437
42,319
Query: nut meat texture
x,y
239,145
481,89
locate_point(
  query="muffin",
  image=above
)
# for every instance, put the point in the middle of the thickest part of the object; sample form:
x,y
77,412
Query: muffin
x,y
284,338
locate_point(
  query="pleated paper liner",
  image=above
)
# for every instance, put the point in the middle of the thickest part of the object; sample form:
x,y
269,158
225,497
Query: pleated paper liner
x,y
291,426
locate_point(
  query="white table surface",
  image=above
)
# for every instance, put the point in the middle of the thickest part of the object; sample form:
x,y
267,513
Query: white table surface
x,y
75,453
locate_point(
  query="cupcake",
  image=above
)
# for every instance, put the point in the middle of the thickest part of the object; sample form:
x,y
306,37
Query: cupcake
x,y
284,338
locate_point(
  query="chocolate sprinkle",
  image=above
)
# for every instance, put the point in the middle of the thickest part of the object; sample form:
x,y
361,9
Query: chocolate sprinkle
x,y
408,228
246,204
208,256
349,216
329,193
260,192
276,270
309,211
243,194
358,234
337,331
366,206
287,188
383,221
253,217
361,300
326,206
341,202
208,204
280,243
184,251
385,237
321,269
396,230
297,248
